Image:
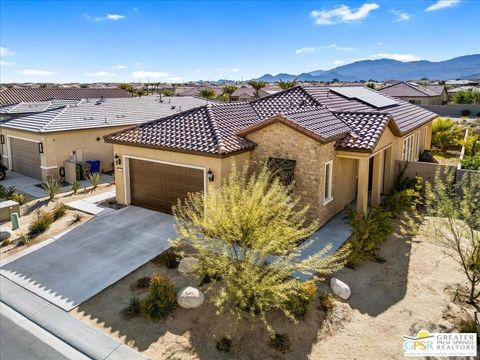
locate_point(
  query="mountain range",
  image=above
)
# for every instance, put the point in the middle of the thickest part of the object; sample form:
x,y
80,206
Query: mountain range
x,y
463,67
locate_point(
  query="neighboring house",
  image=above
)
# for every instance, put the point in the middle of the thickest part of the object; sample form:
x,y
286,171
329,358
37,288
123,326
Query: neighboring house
x,y
37,144
247,93
453,91
457,83
418,94
195,90
17,95
337,144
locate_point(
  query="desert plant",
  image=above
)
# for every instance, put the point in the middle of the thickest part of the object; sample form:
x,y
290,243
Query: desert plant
x,y
53,187
18,197
456,224
77,217
445,132
471,143
280,342
251,237
141,283
327,302
24,239
6,242
75,186
95,180
301,301
287,84
467,324
168,92
6,192
41,222
58,211
400,201
133,309
224,344
471,162
161,299
257,85
168,258
207,93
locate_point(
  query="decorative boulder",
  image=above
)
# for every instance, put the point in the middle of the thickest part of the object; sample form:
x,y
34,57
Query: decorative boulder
x,y
187,265
340,289
190,298
5,233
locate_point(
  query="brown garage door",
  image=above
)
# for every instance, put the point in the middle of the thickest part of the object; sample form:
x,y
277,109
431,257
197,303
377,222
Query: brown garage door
x,y
25,157
158,186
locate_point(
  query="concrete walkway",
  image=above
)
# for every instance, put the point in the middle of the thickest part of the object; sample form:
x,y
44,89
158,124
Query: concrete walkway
x,y
73,332
27,184
89,206
91,257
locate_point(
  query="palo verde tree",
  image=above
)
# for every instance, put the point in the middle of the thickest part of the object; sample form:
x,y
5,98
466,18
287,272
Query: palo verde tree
x,y
247,236
456,225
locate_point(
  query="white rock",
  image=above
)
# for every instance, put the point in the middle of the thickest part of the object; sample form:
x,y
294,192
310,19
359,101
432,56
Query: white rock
x,y
5,233
190,298
340,289
187,265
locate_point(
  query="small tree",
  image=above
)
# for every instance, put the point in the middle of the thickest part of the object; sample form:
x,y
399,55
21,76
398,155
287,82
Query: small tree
x,y
207,93
287,84
445,132
257,85
247,233
456,226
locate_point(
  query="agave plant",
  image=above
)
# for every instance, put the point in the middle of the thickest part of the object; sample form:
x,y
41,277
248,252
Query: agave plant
x,y
52,187
95,180
75,185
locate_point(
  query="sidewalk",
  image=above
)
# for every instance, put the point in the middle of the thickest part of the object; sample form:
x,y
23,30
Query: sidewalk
x,y
62,325
88,205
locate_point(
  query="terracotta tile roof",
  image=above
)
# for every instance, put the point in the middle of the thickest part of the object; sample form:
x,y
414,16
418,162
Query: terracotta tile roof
x,y
317,111
15,96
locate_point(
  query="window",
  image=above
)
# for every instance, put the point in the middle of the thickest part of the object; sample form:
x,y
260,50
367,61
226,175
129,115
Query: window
x,y
328,182
411,148
284,169
416,102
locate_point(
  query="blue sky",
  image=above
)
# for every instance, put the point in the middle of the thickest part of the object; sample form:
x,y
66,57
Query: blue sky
x,y
89,41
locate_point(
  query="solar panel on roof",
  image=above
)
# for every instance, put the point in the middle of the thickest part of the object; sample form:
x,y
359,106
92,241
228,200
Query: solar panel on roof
x,y
365,95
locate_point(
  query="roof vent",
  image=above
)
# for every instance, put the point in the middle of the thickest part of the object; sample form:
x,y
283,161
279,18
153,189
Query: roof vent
x,y
120,116
88,118
98,102
173,107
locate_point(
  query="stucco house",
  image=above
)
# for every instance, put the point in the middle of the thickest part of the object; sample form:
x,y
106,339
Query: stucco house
x,y
338,145
418,94
37,138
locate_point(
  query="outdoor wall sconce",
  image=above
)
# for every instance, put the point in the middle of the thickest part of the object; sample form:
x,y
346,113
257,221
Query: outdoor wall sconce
x,y
118,161
40,147
210,176
2,139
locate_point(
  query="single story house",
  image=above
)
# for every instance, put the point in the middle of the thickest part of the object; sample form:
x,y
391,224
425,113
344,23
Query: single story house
x,y
11,96
247,93
338,144
418,94
37,144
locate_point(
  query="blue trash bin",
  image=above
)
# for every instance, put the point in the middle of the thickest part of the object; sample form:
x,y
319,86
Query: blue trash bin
x,y
95,166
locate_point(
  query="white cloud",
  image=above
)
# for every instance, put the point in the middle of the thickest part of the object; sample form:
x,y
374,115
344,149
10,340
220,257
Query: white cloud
x,y
111,17
442,4
235,70
342,48
379,43
399,57
149,74
100,74
36,72
115,17
119,67
174,79
225,70
401,15
338,62
342,13
6,51
135,9
6,63
305,50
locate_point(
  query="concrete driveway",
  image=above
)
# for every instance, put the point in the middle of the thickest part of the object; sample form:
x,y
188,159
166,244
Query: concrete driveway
x,y
86,260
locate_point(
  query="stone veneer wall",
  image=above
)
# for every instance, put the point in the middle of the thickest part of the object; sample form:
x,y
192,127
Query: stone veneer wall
x,y
279,140
49,174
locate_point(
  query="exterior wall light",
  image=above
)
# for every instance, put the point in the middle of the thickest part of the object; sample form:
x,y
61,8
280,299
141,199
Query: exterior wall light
x,y
2,139
210,176
118,161
40,147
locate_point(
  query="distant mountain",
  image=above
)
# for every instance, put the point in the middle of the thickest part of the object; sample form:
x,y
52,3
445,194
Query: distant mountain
x,y
386,69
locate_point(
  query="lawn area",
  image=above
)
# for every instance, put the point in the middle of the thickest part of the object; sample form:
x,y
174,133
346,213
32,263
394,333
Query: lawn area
x,y
414,289
447,157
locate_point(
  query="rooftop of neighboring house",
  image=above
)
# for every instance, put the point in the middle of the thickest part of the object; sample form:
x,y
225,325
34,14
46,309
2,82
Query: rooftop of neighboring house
x,y
353,117
461,82
17,95
463,88
244,90
410,89
34,107
195,90
98,113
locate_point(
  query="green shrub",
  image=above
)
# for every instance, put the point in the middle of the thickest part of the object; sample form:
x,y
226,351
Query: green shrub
x,y
95,179
133,309
471,162
141,283
445,132
6,192
468,325
299,304
161,299
368,232
59,210
400,201
19,198
41,222
6,242
52,187
280,342
168,258
24,240
327,302
75,186
224,344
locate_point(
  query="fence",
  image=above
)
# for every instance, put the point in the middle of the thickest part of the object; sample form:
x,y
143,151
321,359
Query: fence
x,y
454,110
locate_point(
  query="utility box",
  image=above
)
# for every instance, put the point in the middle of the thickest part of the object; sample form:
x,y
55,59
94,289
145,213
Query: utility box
x,y
7,208
70,171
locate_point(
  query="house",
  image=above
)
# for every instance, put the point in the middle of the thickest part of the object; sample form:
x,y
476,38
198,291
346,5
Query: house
x,y
247,93
418,94
37,144
195,90
457,83
453,91
338,145
17,95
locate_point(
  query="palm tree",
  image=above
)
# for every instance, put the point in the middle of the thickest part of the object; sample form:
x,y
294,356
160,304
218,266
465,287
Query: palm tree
x,y
287,84
445,132
228,90
207,93
257,85
140,92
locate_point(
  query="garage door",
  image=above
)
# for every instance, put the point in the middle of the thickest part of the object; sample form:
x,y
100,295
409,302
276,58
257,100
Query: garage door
x,y
158,186
25,157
